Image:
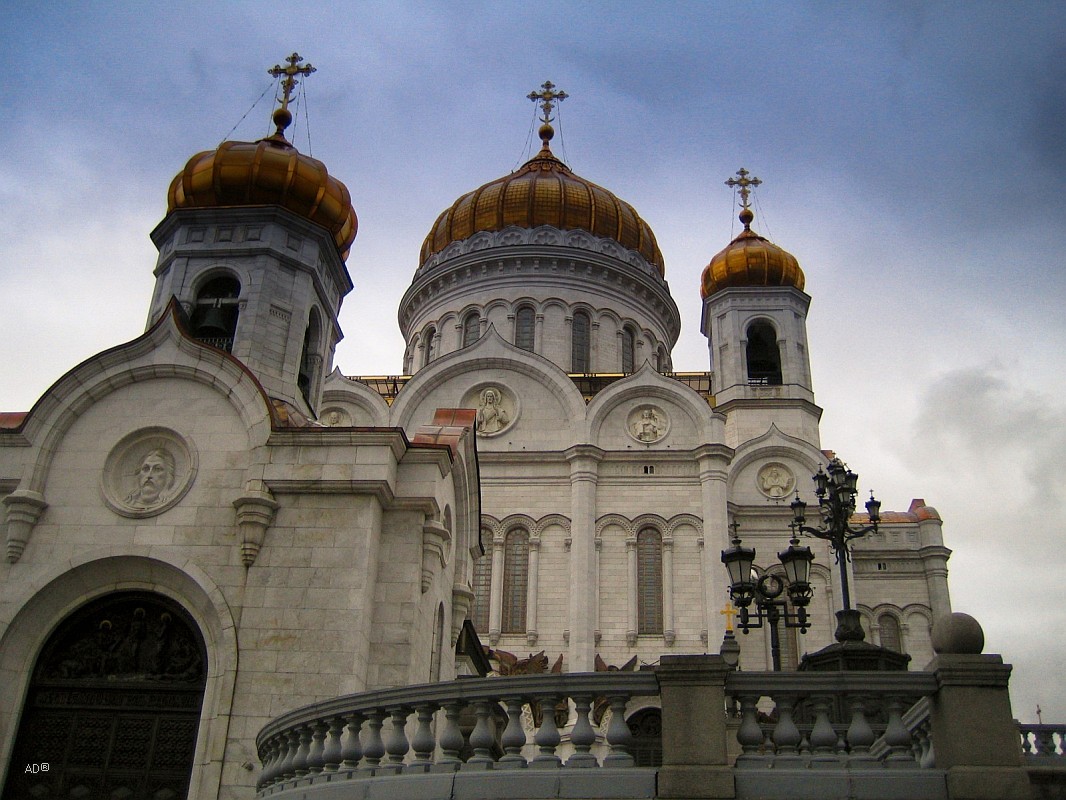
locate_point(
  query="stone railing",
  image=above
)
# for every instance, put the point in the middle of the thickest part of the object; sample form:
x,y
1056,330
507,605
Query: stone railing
x,y
1043,744
418,731
828,719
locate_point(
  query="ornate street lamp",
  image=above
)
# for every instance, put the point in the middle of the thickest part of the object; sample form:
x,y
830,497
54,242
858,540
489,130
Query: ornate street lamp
x,y
766,590
835,488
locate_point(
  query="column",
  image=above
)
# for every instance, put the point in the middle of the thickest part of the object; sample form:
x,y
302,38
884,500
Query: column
x,y
531,590
496,590
713,464
631,591
668,591
584,464
538,333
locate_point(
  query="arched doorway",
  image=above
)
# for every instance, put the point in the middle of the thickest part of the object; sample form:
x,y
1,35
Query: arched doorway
x,y
647,745
113,705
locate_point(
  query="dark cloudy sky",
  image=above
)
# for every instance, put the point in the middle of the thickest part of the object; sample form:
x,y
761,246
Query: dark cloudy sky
x,y
912,155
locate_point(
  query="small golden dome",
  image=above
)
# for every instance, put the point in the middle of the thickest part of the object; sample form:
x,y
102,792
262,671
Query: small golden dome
x,y
543,191
750,260
268,172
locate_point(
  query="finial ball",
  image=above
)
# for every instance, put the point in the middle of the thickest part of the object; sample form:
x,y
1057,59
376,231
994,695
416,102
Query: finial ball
x,y
282,118
547,132
958,634
746,216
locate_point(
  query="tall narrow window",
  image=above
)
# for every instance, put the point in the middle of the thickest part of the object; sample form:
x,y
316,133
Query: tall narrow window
x,y
427,346
891,636
482,587
662,360
515,581
524,326
763,356
649,581
436,653
471,328
310,357
579,343
629,346
214,317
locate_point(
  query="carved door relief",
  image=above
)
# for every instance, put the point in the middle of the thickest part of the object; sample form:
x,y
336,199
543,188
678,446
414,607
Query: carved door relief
x,y
114,704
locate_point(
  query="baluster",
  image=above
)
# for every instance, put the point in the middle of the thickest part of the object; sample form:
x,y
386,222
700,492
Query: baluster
x,y
514,737
1027,748
786,734
897,737
374,748
331,756
823,737
352,753
397,745
316,756
749,735
269,759
618,735
582,736
481,738
860,734
1045,743
290,744
928,747
423,742
451,738
299,762
547,736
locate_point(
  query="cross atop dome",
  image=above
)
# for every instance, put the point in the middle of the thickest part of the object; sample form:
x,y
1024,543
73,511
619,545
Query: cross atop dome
x,y
282,117
548,98
746,184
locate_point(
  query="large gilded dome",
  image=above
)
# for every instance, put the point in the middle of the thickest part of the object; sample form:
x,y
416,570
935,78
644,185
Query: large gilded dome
x,y
751,260
543,191
267,172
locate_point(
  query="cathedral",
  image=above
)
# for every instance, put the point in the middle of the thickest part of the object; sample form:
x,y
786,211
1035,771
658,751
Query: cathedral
x,y
212,525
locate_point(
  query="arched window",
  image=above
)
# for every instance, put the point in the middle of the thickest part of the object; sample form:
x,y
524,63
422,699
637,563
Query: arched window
x,y
214,316
580,339
515,581
524,326
662,360
114,702
482,586
471,328
891,636
309,357
649,582
764,356
428,341
629,346
647,729
437,652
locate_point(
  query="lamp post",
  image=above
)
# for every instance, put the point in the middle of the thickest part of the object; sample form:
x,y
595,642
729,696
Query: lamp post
x,y
766,590
835,488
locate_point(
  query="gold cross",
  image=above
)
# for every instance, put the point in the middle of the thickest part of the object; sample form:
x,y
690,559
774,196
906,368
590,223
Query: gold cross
x,y
547,97
728,612
290,72
744,182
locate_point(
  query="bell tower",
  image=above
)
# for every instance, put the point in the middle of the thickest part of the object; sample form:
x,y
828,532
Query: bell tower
x,y
253,247
755,321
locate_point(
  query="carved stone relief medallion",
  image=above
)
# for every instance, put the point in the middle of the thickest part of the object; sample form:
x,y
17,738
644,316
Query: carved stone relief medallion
x,y
147,472
647,424
335,418
775,480
497,408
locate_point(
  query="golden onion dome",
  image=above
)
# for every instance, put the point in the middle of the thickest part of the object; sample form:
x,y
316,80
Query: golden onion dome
x,y
750,260
543,191
267,172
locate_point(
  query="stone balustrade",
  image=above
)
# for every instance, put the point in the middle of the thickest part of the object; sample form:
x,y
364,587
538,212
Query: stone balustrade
x,y
418,731
1043,744
828,719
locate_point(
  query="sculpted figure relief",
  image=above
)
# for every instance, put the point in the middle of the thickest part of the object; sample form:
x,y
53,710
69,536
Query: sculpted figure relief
x,y
648,427
155,479
492,417
775,480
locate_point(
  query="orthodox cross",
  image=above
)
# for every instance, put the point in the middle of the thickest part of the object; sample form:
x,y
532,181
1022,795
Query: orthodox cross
x,y
745,183
290,72
547,97
728,612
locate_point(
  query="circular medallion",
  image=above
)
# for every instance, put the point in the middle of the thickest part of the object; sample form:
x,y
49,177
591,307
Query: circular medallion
x,y
647,424
775,480
147,472
335,418
497,408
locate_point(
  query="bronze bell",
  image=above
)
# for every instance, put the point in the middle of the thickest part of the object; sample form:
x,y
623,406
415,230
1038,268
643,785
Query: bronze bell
x,y
213,323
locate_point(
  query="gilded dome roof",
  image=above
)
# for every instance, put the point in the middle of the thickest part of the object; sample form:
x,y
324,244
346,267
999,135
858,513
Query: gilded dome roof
x,y
267,172
543,191
750,260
